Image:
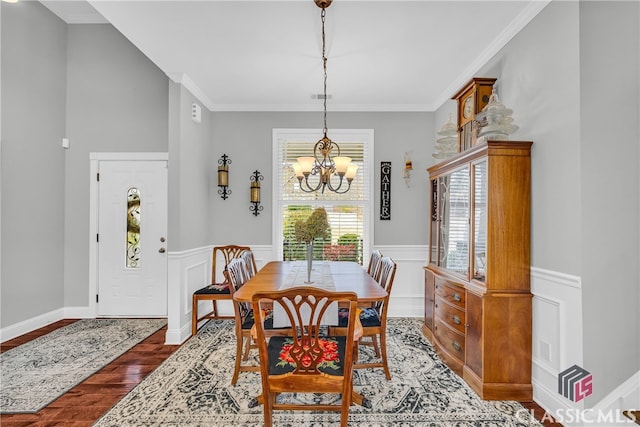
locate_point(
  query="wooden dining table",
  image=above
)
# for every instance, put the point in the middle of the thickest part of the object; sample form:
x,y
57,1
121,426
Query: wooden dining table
x,y
346,276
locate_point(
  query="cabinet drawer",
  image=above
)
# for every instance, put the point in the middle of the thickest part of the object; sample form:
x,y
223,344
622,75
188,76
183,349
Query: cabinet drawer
x,y
451,293
451,341
452,316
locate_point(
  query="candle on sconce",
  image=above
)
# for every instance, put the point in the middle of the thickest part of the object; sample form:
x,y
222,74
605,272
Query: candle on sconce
x,y
255,192
223,176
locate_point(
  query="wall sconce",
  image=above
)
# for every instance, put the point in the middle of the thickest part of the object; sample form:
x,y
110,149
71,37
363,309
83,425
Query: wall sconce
x,y
223,176
255,179
408,167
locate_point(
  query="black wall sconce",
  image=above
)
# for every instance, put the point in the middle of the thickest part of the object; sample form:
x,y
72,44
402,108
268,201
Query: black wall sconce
x,y
223,176
255,179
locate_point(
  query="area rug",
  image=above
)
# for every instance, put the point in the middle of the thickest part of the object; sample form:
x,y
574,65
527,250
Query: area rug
x,y
34,374
193,388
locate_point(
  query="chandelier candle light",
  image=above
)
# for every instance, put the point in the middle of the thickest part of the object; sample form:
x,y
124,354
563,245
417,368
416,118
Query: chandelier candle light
x,y
322,163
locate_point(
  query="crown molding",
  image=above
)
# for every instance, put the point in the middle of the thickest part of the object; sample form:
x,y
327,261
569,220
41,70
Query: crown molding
x,y
530,12
314,108
185,80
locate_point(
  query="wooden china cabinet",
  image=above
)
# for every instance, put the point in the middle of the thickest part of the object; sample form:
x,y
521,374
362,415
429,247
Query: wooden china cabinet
x,y
477,290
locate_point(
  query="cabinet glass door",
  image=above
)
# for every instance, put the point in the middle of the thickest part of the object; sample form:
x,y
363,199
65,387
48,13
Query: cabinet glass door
x,y
480,190
454,222
433,222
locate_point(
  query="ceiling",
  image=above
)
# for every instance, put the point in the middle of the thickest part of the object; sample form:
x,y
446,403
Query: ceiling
x,y
265,55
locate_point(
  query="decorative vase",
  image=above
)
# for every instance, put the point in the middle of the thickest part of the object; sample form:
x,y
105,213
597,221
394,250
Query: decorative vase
x,y
309,261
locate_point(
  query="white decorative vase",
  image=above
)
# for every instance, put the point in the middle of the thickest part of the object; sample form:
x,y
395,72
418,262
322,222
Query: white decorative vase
x,y
309,262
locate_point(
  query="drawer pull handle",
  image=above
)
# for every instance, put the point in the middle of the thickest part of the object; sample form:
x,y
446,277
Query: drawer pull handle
x,y
456,297
456,345
456,319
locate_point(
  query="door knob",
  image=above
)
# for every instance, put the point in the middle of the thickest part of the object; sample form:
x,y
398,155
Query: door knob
x,y
162,250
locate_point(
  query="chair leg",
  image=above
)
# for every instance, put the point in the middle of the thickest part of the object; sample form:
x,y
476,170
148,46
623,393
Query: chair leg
x,y
383,346
194,316
215,308
267,402
376,346
239,341
247,347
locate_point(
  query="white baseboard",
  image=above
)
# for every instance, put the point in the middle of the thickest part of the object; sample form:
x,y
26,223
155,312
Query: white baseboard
x,y
31,324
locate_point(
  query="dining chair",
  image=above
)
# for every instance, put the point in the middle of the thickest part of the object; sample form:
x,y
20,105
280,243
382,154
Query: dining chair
x,y
238,274
217,290
250,262
306,360
374,320
374,264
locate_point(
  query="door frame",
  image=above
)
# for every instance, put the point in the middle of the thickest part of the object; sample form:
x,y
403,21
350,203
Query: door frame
x,y
94,162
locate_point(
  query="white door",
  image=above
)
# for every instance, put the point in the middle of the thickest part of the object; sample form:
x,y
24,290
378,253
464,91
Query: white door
x,y
132,227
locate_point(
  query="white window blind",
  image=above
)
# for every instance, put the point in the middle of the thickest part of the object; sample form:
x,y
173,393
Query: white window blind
x,y
348,213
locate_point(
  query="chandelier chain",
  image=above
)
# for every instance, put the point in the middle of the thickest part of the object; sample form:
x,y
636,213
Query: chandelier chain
x,y
324,65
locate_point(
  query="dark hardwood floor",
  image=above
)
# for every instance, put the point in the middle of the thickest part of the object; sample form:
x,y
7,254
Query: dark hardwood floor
x,y
85,403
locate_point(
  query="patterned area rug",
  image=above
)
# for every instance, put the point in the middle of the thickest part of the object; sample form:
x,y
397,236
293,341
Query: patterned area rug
x,y
192,388
36,373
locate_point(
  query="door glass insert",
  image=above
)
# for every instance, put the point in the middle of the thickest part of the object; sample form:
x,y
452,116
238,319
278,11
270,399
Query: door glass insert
x,y
133,228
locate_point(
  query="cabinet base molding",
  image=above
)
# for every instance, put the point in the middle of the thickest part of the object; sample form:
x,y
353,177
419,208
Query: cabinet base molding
x,y
498,391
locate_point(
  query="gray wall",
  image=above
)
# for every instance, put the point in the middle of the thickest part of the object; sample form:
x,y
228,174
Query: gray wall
x,y
582,114
190,173
117,101
609,160
247,139
33,161
84,82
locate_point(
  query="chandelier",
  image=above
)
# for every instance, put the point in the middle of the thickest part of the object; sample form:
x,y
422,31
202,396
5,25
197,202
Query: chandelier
x,y
326,161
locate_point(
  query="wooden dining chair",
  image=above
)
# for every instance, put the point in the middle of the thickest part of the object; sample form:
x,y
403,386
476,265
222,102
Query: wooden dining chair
x,y
238,274
218,289
306,360
374,264
374,320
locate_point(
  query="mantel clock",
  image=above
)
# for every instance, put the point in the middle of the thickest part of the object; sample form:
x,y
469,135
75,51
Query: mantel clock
x,y
471,99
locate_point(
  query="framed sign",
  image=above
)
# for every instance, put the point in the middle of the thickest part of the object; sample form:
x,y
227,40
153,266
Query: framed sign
x,y
385,190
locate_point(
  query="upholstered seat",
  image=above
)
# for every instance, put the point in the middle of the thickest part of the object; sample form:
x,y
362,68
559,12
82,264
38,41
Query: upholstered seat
x,y
369,317
281,362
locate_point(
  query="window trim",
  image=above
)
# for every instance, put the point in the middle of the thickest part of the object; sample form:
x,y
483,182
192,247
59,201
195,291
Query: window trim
x,y
366,136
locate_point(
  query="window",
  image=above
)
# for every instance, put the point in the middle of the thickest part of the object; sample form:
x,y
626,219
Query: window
x,y
349,214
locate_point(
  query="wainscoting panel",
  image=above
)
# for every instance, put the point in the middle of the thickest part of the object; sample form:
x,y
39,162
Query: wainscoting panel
x,y
188,271
557,335
407,295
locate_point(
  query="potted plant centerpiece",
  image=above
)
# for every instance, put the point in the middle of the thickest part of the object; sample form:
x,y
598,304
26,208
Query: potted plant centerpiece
x,y
316,226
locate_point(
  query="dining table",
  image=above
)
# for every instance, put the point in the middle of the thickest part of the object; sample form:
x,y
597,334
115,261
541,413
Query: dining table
x,y
339,276
346,276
